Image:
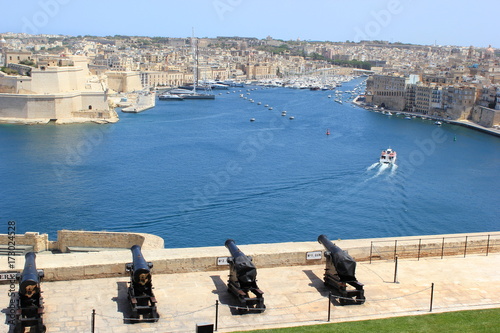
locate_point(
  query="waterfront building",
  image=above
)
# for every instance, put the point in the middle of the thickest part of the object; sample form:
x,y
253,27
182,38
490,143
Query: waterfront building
x,y
429,99
60,93
410,96
387,91
458,101
123,82
485,116
164,78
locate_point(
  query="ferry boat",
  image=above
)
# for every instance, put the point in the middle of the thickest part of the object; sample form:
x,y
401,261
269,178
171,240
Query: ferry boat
x,y
388,156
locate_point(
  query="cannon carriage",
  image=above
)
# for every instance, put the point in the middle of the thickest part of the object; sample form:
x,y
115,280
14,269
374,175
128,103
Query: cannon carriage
x,y
29,312
242,280
340,275
140,291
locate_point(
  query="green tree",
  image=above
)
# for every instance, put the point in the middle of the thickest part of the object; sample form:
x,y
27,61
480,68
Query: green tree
x,y
27,63
9,71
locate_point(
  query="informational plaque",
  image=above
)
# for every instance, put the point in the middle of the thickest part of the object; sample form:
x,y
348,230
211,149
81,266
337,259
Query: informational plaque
x,y
315,255
222,261
7,276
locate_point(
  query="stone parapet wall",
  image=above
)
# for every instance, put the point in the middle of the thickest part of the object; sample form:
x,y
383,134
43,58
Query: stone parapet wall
x,y
100,239
185,260
83,239
39,242
91,265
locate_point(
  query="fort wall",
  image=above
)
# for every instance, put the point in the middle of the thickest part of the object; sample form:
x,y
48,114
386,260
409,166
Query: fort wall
x,y
112,252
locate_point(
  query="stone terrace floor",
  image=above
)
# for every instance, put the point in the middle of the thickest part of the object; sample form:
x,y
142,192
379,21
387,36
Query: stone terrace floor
x,y
293,296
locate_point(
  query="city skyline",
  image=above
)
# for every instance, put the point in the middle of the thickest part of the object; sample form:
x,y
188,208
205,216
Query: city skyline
x,y
424,22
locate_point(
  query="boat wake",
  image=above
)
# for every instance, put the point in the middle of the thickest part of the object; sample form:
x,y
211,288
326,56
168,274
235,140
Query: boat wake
x,y
381,169
393,169
374,165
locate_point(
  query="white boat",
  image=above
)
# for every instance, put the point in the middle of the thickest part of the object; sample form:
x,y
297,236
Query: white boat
x,y
388,156
438,123
195,95
177,91
170,97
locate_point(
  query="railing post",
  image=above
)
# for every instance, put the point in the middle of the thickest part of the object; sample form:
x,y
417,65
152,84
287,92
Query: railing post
x,y
371,251
419,244
92,328
432,296
216,313
395,248
396,270
442,249
488,245
465,248
329,304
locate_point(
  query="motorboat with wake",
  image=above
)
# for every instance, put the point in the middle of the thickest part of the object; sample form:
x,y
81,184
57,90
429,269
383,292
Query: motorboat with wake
x,y
388,156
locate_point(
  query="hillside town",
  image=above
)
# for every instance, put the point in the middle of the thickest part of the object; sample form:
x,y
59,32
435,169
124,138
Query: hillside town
x,y
83,78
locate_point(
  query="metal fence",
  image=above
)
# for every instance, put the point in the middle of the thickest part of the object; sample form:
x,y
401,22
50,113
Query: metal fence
x,y
434,247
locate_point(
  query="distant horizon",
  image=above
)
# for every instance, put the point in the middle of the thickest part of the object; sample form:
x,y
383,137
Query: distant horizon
x,y
279,39
423,22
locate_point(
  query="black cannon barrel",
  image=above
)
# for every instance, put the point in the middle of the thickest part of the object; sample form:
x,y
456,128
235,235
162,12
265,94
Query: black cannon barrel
x,y
139,264
29,276
243,265
323,239
345,265
235,251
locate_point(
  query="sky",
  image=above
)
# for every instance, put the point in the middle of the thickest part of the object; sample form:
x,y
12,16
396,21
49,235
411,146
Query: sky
x,y
428,22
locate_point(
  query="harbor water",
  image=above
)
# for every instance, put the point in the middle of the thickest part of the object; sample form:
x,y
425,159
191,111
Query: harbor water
x,y
197,172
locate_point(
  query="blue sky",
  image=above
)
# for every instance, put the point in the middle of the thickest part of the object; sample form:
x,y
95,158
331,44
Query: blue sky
x,y
445,22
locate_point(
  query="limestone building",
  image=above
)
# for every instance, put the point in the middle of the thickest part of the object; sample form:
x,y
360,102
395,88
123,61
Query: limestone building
x,y
386,91
60,93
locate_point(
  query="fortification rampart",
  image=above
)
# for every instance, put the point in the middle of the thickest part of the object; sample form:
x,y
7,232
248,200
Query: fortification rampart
x,y
112,252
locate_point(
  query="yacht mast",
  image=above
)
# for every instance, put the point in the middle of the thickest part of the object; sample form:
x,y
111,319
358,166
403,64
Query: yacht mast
x,y
194,47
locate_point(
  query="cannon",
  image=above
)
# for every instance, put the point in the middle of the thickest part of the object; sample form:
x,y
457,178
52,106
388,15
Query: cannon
x,y
140,291
242,280
340,273
30,301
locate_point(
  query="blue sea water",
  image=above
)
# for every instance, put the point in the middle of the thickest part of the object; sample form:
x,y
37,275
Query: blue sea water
x,y
197,172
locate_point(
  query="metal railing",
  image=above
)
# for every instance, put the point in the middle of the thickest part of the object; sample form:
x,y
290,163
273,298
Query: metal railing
x,y
435,247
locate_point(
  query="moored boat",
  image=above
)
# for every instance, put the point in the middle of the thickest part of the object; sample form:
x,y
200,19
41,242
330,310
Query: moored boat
x,y
170,97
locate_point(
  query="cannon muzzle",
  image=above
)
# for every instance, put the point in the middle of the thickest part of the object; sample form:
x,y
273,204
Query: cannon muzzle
x,y
233,249
141,269
29,279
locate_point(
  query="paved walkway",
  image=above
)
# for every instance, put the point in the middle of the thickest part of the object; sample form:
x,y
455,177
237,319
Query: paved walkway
x,y
293,296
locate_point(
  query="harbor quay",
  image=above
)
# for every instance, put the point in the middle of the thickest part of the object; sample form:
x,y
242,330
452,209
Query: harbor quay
x,y
401,276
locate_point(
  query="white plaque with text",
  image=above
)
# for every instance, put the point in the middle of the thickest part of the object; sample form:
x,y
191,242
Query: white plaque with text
x,y
315,255
222,261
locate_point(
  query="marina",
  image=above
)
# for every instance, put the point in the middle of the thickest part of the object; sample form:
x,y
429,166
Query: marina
x,y
185,170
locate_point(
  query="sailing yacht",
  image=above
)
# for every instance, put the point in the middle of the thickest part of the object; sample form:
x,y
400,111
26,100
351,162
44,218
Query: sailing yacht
x,y
193,94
